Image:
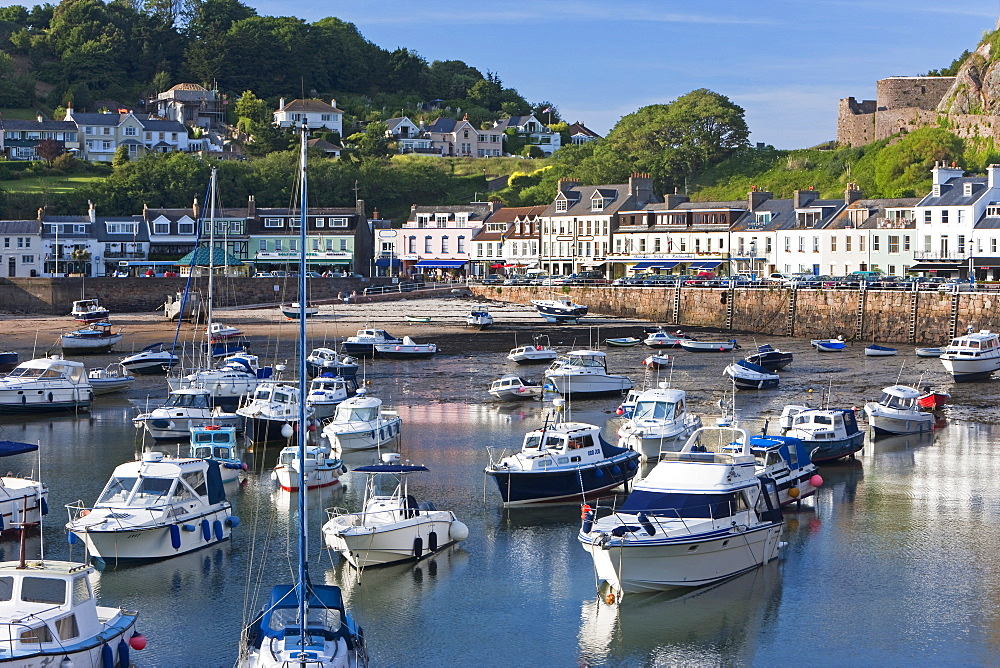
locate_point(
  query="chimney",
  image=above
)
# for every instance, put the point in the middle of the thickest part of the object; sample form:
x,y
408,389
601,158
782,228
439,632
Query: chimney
x,y
757,197
251,207
194,208
673,200
91,212
852,194
69,110
41,212
145,211
375,214
333,102
39,117
993,176
566,185
802,198
281,104
641,188
942,173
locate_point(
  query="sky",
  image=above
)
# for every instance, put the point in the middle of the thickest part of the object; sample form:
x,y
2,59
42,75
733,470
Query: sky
x,y
786,63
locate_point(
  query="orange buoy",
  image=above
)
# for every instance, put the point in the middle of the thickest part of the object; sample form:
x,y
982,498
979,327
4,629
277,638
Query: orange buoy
x,y
610,598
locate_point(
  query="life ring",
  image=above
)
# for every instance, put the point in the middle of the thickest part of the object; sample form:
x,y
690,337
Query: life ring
x,y
211,427
584,510
538,347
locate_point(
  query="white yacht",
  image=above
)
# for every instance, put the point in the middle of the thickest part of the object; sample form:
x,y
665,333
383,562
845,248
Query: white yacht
x,y
660,422
154,508
23,501
539,353
973,356
238,376
45,384
96,337
586,372
897,412
701,515
183,410
273,406
479,318
321,469
391,526
326,360
328,391
363,343
89,310
361,424
150,360
511,386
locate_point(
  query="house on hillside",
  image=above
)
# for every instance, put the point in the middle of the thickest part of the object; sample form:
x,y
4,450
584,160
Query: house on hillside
x,y
461,138
533,131
328,149
409,137
581,134
192,105
316,114
19,138
101,134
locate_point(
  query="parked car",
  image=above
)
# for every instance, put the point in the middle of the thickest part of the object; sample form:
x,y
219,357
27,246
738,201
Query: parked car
x,y
659,281
313,274
957,285
493,279
929,282
586,278
555,280
779,277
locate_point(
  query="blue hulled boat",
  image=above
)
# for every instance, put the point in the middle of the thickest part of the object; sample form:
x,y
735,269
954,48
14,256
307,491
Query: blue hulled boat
x,y
829,433
770,358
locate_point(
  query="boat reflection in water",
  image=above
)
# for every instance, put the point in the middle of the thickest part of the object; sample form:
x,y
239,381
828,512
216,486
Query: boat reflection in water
x,y
714,625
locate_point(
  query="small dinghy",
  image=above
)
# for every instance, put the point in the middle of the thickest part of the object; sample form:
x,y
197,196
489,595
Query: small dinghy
x,y
406,349
770,358
512,386
709,346
748,376
657,361
933,401
624,342
97,338
418,318
879,351
929,352
828,345
559,310
479,318
108,380
536,354
295,311
88,310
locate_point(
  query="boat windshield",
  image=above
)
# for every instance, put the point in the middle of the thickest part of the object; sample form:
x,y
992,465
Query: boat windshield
x,y
815,419
359,414
317,619
30,373
211,436
584,362
117,490
210,452
262,394
386,484
656,410
895,401
151,491
282,397
531,441
186,401
676,504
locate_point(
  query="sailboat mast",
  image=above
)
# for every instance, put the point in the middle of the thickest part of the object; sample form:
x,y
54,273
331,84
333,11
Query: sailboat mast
x,y
211,257
302,431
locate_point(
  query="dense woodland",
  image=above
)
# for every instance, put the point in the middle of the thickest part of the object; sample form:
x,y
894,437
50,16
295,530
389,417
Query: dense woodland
x,y
95,54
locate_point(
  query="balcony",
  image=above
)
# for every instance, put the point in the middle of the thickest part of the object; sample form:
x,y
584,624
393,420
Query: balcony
x,y
120,255
937,255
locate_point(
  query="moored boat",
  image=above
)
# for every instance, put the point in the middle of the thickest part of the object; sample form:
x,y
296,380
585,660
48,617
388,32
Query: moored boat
x,y
185,408
97,338
89,310
897,412
479,318
218,442
328,391
220,332
623,342
45,384
829,433
321,468
294,311
152,359
417,318
748,376
973,356
658,361
661,339
23,500
586,372
770,358
363,343
708,346
785,460
271,413
360,423
880,351
659,422
326,360
933,401
559,310
539,353
929,352
828,345
406,349
511,386
108,380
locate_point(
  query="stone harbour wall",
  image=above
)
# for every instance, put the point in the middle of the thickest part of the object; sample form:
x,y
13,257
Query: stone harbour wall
x,y
886,316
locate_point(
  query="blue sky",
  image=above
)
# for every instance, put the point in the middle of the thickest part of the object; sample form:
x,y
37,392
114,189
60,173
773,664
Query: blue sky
x,y
786,63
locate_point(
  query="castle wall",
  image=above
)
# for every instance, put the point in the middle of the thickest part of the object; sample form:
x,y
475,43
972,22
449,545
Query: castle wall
x,y
855,122
919,92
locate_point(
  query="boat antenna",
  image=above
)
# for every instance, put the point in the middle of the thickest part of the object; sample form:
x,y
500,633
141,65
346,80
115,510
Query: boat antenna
x,y
900,374
38,504
829,393
303,573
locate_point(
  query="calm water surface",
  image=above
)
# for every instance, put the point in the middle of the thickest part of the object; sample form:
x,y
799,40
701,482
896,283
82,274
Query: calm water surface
x,y
895,561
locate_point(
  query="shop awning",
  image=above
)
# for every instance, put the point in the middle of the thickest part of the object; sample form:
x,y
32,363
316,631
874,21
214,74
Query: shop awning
x,y
705,265
498,265
387,262
939,266
440,264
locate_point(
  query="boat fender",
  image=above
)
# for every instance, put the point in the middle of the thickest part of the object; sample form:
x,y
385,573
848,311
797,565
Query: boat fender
x,y
646,524
274,475
45,506
107,656
189,527
631,465
232,521
123,654
175,536
219,533
432,541
616,470
418,547
588,521
458,531
793,492
598,473
816,480
71,538
137,641
343,469
206,530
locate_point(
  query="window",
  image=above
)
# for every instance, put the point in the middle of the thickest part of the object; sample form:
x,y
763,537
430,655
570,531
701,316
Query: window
x,y
196,479
461,218
122,228
815,244
343,244
802,244
273,222
833,244
656,245
697,245
43,590
461,244
788,244
441,219
642,245
906,243
944,215
893,247
79,229
411,246
562,204
6,588
20,242
808,218
161,228
875,243
767,244
861,244
320,222
185,227
338,222
479,250
961,244
27,259
36,636
927,243
961,214
993,245
427,245
597,203
444,244
130,132
892,269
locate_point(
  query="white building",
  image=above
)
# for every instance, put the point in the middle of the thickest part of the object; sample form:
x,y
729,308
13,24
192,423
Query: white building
x,y
316,114
21,250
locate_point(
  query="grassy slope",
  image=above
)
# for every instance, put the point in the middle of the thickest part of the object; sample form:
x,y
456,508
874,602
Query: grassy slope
x,y
48,184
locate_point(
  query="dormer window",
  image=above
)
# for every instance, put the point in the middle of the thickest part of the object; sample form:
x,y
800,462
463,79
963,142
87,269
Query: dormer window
x,y
562,204
936,190
461,218
441,219
807,219
763,217
597,203
967,189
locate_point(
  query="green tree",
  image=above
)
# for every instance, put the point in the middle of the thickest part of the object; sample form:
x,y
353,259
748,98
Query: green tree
x,y
121,156
904,168
161,81
372,144
251,109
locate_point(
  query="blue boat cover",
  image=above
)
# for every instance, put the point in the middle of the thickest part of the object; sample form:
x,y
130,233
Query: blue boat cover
x,y
766,348
754,367
286,597
216,490
8,448
390,468
875,347
784,444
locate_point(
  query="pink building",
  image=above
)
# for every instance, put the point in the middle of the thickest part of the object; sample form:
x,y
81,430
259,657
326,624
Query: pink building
x,y
438,239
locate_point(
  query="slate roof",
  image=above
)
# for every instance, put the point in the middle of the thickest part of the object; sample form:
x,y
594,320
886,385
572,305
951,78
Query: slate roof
x,y
579,201
101,230
80,118
443,124
579,128
323,145
478,211
53,126
876,219
159,125
20,227
952,192
783,215
509,214
310,105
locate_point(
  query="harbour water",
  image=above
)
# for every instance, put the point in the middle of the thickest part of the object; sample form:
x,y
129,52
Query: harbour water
x,y
895,561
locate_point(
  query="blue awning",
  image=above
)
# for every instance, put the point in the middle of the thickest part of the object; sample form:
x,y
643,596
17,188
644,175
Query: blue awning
x,y
709,265
387,262
642,265
440,264
655,264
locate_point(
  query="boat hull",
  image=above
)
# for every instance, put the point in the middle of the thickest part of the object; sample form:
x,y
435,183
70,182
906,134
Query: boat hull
x,y
45,399
707,346
366,439
149,365
754,383
569,485
381,545
178,428
288,477
515,393
265,430
649,446
891,425
293,314
828,451
928,352
539,357
968,370
85,346
143,544
771,361
586,384
398,352
109,385
115,632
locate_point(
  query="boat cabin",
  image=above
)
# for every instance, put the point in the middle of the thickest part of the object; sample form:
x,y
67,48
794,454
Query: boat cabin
x,y
192,398
900,397
360,409
50,367
314,454
565,444
375,334
158,482
337,385
213,442
659,405
974,344
819,424
593,359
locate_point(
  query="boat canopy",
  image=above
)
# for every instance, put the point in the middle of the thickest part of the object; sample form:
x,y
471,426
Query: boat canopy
x,y
390,468
325,606
682,504
8,448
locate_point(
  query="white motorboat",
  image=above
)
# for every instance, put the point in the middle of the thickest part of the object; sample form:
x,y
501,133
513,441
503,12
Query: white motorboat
x,y
294,311
51,618
237,376
829,433
511,386
479,318
154,508
828,345
929,352
786,461
273,406
220,332
586,372
897,412
561,462
406,349
701,515
659,423
326,360
326,392
657,361
539,353
45,384
96,338
770,358
391,526
662,339
361,424
363,343
321,469
627,407
150,360
89,310
749,376
23,501
973,356
184,409
218,442
108,380
559,310
708,346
